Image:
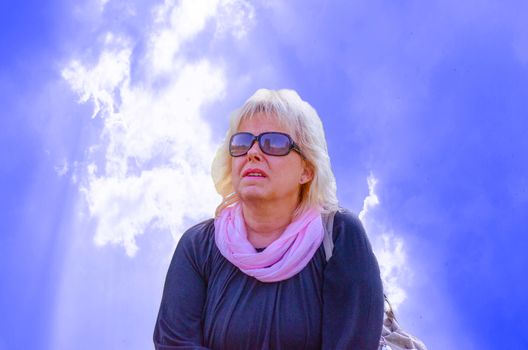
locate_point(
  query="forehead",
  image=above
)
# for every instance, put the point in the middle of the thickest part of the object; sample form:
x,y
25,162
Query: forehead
x,y
261,122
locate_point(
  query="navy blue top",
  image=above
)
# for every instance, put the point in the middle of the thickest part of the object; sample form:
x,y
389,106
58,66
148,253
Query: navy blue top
x,y
208,303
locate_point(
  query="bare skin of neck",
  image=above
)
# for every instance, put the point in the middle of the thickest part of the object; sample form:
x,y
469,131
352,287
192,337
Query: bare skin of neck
x,y
265,222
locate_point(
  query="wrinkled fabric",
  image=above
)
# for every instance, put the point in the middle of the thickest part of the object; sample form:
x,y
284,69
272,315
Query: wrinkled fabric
x,y
395,338
283,258
208,303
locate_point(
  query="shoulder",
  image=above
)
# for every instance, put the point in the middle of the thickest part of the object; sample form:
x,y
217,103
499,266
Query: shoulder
x,y
352,246
195,245
348,218
198,234
346,222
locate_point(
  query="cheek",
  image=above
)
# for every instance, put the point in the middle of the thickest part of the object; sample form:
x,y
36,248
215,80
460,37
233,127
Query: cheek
x,y
236,166
291,172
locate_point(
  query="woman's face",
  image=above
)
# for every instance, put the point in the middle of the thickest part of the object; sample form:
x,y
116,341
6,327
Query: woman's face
x,y
257,176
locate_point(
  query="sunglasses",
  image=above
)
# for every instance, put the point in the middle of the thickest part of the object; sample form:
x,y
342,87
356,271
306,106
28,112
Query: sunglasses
x,y
271,143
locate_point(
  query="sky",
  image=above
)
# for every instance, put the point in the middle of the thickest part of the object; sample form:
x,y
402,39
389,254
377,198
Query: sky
x,y
112,111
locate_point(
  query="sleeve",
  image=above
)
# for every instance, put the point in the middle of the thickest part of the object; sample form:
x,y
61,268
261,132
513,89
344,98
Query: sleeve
x,y
352,291
179,322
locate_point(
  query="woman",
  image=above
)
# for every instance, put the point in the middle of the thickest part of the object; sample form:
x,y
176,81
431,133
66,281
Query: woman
x,y
257,276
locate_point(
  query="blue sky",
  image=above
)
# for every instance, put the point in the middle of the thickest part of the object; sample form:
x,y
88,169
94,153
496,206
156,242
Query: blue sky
x,y
112,110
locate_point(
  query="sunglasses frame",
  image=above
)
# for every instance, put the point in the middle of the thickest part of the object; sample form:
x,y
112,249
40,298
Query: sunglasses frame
x,y
293,145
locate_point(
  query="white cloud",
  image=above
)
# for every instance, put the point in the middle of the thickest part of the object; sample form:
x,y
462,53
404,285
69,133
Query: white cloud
x,y
62,169
151,165
110,74
236,18
178,25
175,26
388,247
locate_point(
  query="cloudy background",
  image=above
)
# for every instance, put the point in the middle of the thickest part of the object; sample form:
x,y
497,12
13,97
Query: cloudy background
x,y
112,110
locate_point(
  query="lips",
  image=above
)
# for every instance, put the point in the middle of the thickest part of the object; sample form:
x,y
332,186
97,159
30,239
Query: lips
x,y
254,172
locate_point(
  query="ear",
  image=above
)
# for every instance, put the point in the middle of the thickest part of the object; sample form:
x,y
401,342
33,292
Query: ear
x,y
307,173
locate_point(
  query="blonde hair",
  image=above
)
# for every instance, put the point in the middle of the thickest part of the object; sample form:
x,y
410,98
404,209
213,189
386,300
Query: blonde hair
x,y
306,130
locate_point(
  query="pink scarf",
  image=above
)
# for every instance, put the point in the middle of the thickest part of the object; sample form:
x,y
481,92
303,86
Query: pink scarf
x,y
283,258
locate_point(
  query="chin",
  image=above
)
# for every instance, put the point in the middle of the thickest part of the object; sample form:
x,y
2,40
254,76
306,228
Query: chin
x,y
250,195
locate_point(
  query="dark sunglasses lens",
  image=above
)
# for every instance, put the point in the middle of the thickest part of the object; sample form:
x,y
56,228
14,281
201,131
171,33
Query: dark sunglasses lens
x,y
275,144
240,144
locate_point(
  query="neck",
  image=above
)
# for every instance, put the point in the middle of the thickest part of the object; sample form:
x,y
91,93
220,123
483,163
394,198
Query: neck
x,y
266,222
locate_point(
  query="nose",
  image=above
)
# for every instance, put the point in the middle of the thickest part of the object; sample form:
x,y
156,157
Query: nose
x,y
254,153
